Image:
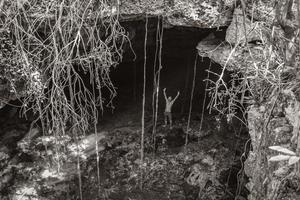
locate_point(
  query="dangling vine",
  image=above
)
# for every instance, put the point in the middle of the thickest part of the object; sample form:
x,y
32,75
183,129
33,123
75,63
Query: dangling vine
x,y
155,82
191,100
60,40
159,36
54,46
204,101
144,100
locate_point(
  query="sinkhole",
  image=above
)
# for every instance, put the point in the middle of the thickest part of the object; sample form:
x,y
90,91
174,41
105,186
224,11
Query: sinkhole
x,y
205,163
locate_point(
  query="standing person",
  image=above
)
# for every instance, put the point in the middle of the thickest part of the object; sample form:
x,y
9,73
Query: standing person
x,y
168,109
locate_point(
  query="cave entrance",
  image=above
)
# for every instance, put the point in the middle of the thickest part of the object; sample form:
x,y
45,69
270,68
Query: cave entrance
x,y
177,58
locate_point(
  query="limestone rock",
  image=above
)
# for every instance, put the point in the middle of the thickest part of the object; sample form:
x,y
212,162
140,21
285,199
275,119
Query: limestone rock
x,y
261,10
279,131
242,29
87,146
202,14
233,58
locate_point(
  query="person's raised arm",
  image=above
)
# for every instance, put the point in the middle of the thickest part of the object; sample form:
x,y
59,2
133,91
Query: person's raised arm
x,y
176,96
165,94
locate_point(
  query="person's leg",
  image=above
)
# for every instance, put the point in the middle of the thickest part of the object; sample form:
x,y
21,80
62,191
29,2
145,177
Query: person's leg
x,y
165,115
170,118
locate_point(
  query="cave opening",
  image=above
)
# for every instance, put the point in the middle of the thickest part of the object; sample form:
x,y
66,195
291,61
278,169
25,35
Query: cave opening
x,y
178,59
178,55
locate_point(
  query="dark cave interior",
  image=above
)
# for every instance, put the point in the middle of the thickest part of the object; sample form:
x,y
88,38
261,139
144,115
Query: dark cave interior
x,y
178,56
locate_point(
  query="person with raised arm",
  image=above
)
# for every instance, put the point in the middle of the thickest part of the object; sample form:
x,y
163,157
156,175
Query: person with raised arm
x,y
168,109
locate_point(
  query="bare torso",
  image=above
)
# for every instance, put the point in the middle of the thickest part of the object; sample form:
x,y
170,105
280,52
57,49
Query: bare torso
x,y
169,105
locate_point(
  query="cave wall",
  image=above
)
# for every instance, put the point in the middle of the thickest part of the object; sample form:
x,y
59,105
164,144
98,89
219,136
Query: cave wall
x,y
272,123
252,44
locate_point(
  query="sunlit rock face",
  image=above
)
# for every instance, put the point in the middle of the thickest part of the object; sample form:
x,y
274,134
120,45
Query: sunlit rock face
x,y
201,14
232,53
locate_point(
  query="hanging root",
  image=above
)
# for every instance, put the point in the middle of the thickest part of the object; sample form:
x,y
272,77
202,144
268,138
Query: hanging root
x,y
144,100
63,51
204,103
154,94
57,43
159,38
191,100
